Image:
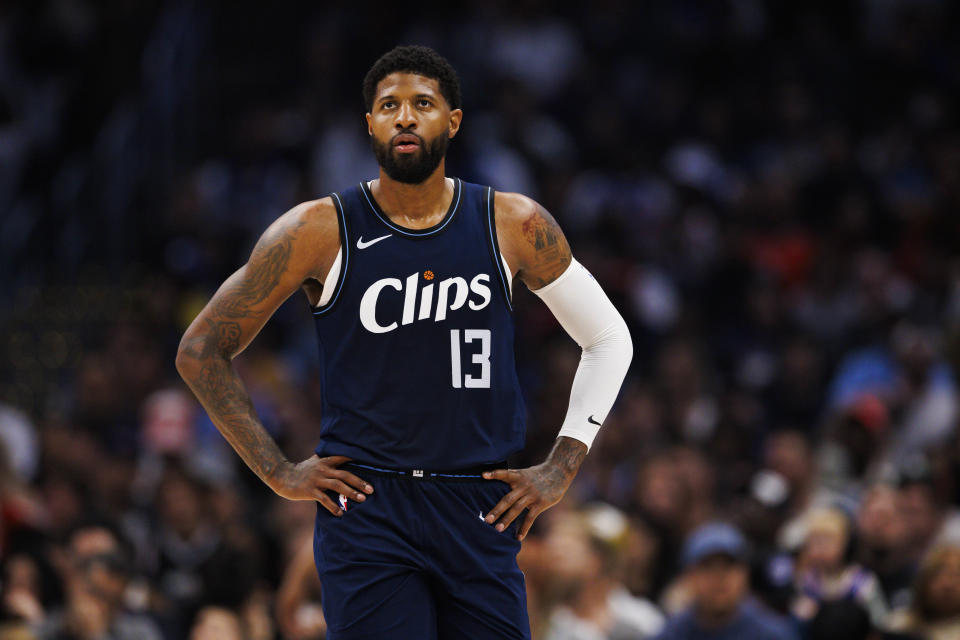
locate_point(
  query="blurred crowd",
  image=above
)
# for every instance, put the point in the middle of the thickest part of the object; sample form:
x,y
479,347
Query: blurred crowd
x,y
768,191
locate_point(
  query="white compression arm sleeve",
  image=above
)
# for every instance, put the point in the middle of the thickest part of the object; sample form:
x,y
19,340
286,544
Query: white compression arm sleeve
x,y
588,316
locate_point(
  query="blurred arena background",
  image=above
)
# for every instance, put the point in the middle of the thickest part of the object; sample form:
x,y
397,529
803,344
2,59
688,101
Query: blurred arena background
x,y
768,190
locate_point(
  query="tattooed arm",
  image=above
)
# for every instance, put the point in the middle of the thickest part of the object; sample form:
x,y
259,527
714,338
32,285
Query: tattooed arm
x,y
295,251
536,249
530,239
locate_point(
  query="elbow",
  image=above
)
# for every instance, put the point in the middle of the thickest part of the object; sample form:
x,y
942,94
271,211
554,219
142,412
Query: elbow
x,y
184,364
613,343
187,362
626,340
624,346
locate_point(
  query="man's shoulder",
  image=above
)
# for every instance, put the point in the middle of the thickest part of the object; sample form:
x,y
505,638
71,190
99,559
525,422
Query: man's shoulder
x,y
514,207
754,623
308,220
677,626
132,626
768,625
302,241
321,210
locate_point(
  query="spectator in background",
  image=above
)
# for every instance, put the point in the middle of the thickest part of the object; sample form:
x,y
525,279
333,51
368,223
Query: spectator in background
x,y
926,396
217,623
299,614
825,573
882,543
913,381
585,555
716,580
664,503
762,234
200,562
934,613
95,571
787,452
841,619
930,518
22,599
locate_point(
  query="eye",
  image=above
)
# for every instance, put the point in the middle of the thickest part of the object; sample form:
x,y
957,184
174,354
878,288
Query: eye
x,y
423,102
387,104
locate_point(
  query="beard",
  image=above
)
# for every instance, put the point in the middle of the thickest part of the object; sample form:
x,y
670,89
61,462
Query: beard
x,y
410,168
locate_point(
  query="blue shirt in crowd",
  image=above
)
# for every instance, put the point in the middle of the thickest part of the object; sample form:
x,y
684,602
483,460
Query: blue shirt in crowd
x,y
752,622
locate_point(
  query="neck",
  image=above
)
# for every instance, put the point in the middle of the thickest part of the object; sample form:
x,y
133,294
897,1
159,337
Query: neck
x,y
414,205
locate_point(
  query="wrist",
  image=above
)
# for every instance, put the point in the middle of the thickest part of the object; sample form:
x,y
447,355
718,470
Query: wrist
x,y
276,475
567,455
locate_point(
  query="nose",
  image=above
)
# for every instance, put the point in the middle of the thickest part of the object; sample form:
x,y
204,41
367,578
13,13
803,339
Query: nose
x,y
406,117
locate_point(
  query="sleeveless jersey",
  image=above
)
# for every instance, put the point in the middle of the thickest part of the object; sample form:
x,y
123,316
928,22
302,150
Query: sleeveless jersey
x,y
416,341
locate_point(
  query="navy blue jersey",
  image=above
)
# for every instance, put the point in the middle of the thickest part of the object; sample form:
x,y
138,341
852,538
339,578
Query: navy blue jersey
x,y
416,342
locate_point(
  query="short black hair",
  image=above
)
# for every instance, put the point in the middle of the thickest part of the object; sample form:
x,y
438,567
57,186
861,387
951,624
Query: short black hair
x,y
417,59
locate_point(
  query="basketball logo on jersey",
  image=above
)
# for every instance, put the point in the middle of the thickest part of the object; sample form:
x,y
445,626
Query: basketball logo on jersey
x,y
343,502
451,294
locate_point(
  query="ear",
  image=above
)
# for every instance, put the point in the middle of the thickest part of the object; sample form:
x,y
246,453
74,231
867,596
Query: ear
x,y
369,126
456,117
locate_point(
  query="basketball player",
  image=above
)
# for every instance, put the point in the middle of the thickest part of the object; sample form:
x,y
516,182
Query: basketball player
x,y
410,278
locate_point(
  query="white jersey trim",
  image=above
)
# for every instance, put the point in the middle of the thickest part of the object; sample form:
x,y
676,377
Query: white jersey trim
x,y
330,282
506,270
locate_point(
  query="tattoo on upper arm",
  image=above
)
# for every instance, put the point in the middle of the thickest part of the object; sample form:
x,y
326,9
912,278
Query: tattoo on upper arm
x,y
552,254
266,266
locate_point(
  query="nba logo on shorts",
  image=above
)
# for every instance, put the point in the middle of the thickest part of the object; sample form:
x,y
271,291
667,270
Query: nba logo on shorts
x,y
343,502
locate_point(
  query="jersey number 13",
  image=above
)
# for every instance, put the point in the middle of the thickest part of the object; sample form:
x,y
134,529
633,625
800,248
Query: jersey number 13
x,y
482,358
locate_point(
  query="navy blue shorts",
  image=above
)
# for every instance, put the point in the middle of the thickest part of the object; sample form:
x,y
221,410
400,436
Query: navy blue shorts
x,y
416,560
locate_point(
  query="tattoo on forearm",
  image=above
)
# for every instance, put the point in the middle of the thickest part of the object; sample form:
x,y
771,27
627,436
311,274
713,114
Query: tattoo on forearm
x,y
556,474
568,454
222,393
543,233
213,379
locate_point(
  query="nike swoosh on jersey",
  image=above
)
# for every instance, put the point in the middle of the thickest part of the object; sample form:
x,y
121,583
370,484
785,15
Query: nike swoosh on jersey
x,y
592,421
363,245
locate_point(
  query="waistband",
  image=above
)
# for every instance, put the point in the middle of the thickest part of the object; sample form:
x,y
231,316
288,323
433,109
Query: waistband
x,y
468,474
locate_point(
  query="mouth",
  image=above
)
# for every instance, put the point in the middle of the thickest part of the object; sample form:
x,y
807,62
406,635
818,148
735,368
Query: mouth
x,y
406,142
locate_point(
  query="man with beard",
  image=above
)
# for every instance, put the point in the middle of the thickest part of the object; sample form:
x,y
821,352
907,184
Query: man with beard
x,y
409,277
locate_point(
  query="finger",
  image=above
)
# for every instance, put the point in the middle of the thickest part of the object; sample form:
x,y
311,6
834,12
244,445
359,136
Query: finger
x,y
342,488
357,483
504,504
335,461
328,504
514,512
528,522
506,475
